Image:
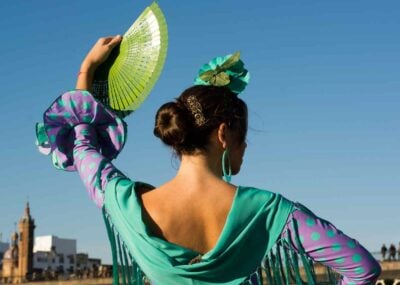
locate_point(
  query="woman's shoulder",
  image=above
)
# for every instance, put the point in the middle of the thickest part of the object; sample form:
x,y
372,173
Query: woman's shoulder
x,y
121,198
123,185
256,191
251,194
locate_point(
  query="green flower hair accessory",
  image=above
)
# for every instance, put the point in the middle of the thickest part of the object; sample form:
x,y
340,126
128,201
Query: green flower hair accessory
x,y
224,71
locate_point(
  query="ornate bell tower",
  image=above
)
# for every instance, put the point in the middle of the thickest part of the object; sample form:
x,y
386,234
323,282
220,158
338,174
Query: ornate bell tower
x,y
26,228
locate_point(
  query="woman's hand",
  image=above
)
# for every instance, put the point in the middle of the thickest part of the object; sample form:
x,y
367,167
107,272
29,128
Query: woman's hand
x,y
99,52
97,55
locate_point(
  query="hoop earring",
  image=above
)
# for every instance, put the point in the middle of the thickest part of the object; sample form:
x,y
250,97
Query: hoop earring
x,y
226,175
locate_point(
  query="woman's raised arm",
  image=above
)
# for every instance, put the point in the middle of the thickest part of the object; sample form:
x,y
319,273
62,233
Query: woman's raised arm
x,y
97,55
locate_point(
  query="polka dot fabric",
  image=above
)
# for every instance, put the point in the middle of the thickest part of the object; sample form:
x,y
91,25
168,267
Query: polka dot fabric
x,y
79,107
84,136
94,169
324,243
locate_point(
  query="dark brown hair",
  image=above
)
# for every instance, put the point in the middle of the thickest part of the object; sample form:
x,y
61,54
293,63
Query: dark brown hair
x,y
187,123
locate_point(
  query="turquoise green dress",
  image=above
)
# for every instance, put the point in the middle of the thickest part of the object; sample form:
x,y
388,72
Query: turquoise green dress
x,y
253,225
262,230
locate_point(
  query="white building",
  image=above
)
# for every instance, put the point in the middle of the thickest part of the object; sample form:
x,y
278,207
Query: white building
x,y
53,253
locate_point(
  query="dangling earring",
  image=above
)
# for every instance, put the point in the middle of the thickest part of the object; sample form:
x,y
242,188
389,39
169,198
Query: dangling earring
x,y
226,176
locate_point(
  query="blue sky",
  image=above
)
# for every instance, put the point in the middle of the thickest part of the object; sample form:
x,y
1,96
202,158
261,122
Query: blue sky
x,y
323,101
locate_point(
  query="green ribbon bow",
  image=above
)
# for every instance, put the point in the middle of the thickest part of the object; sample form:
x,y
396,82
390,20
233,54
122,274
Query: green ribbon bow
x,y
224,71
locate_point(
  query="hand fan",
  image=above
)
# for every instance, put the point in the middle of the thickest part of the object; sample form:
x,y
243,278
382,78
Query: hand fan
x,y
125,79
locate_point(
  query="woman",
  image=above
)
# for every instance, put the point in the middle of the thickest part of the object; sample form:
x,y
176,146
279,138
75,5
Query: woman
x,y
196,228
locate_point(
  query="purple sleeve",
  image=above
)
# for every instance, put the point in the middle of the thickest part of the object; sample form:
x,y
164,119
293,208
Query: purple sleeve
x,y
324,243
94,169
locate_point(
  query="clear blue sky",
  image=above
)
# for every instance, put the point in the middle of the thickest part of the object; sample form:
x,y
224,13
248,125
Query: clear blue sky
x,y
324,101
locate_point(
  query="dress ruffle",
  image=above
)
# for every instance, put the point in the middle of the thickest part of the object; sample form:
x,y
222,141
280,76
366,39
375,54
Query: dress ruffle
x,y
56,135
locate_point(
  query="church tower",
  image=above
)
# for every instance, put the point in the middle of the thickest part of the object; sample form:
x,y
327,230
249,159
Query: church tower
x,y
26,228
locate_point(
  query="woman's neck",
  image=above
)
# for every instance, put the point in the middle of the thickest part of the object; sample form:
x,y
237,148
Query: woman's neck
x,y
198,167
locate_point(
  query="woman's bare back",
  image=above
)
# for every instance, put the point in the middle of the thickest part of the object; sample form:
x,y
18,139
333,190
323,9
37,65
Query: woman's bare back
x,y
192,218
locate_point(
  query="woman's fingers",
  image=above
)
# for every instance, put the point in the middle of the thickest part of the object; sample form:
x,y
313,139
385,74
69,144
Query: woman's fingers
x,y
114,41
109,41
101,50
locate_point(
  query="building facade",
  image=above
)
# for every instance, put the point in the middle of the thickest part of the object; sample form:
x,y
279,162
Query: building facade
x,y
27,258
18,258
55,254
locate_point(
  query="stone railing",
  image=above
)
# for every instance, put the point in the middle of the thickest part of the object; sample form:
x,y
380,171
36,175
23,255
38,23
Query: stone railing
x,y
388,282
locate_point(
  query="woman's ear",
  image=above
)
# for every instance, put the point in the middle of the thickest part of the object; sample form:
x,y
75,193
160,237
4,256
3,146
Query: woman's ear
x,y
222,135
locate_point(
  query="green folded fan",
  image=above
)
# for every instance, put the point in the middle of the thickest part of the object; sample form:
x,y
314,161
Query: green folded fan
x,y
126,78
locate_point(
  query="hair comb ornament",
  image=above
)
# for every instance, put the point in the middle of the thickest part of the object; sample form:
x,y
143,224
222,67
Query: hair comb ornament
x,y
126,78
224,71
195,108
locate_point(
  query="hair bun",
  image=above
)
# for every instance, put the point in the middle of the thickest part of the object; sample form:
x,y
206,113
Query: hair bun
x,y
171,124
188,123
